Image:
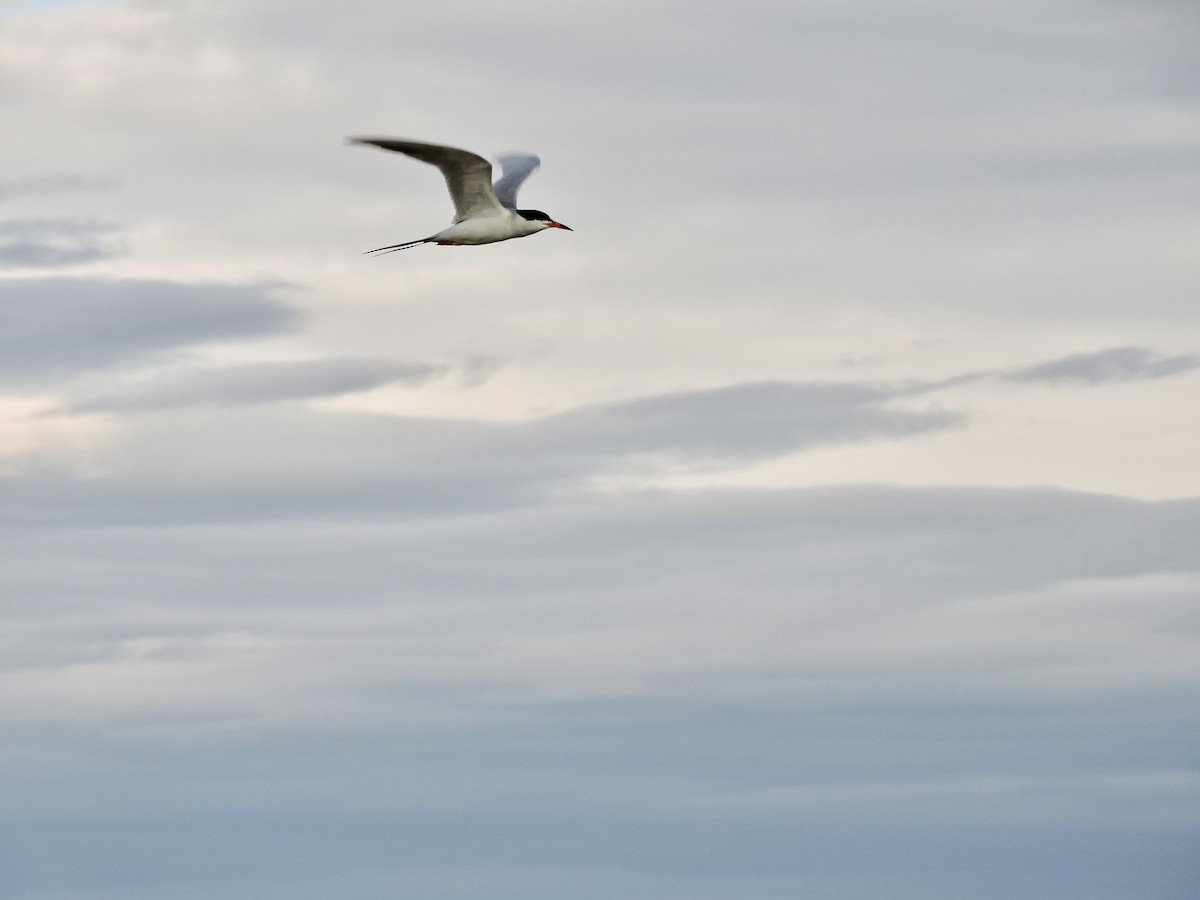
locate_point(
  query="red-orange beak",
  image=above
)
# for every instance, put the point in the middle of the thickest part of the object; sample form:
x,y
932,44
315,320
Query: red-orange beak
x,y
560,225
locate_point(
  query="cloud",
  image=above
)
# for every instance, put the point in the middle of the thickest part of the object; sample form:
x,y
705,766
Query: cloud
x,y
52,243
740,422
51,328
478,368
866,649
1117,364
855,594
49,185
1114,365
249,385
191,459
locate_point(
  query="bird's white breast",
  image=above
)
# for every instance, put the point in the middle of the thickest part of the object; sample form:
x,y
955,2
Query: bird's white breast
x,y
489,230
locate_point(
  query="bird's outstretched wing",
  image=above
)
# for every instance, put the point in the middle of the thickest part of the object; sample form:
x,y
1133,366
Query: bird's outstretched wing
x,y
516,169
468,175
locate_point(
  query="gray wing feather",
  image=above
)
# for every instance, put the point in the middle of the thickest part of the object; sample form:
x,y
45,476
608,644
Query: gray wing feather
x,y
468,175
516,169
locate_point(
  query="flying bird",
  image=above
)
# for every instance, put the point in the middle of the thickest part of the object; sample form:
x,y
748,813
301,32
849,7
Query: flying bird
x,y
483,213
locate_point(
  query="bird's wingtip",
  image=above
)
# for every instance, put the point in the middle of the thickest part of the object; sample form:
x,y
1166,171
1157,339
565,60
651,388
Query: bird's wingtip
x,y
519,158
372,141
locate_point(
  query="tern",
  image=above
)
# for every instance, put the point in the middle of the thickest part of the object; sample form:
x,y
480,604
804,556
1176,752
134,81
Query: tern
x,y
483,213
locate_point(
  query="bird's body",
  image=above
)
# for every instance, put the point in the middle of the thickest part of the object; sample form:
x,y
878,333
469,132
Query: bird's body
x,y
483,213
500,227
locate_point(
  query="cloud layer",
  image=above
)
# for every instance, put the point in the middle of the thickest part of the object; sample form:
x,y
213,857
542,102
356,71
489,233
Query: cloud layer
x,y
56,327
587,564
857,658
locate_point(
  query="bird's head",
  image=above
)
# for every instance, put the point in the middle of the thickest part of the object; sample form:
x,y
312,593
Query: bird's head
x,y
537,217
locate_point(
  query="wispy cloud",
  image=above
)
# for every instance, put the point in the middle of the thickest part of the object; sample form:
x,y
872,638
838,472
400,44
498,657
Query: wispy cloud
x,y
249,385
1105,366
48,185
1114,365
56,243
742,421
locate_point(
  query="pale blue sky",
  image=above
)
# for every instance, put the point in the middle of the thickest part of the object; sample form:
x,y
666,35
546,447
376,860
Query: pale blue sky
x,y
39,7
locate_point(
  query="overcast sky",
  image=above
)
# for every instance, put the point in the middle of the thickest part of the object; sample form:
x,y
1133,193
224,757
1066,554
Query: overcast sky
x,y
818,519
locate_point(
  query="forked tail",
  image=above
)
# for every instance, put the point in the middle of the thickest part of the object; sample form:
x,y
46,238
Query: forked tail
x,y
392,248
